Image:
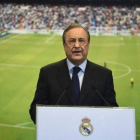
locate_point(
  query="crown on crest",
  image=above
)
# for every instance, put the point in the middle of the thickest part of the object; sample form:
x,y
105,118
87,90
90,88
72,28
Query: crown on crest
x,y
86,120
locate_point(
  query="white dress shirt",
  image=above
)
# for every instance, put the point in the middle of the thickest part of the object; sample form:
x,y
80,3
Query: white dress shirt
x,y
81,72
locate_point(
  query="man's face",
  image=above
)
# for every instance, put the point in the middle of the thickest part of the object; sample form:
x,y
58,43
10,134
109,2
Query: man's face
x,y
76,45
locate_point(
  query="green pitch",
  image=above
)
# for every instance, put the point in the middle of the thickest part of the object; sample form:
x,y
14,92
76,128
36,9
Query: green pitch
x,y
22,56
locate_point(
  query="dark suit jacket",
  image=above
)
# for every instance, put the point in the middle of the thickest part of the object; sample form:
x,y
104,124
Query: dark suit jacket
x,y
55,78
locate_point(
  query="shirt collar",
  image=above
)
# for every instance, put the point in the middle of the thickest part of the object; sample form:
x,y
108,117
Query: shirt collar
x,y
71,65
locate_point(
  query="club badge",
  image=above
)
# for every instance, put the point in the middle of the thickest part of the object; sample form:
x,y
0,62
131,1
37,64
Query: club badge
x,y
86,128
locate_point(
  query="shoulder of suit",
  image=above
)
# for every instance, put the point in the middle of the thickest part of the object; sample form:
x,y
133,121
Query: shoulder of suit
x,y
97,67
54,65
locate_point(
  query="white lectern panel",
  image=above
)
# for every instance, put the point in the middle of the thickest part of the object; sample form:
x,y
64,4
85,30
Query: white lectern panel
x,y
64,123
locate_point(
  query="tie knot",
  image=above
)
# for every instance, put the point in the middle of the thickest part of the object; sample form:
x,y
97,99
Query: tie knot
x,y
76,70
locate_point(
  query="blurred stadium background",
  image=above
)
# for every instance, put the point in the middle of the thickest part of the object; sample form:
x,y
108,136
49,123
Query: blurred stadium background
x,y
30,37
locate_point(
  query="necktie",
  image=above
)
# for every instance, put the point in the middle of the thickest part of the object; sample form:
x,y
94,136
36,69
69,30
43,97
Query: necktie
x,y
75,82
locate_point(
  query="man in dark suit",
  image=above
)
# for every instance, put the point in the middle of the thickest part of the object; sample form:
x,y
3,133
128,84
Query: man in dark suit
x,y
58,85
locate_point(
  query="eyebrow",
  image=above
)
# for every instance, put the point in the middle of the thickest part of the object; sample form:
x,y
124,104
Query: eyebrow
x,y
77,38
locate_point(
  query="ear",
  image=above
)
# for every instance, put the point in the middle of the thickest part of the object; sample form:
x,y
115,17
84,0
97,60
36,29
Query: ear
x,y
64,44
88,44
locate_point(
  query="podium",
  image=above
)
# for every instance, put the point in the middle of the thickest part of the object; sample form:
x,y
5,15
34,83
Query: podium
x,y
85,123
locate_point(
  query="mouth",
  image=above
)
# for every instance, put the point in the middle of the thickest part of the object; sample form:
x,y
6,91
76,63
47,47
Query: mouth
x,y
77,52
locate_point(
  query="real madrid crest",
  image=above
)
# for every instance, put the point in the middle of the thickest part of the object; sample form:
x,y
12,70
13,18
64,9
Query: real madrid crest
x,y
86,128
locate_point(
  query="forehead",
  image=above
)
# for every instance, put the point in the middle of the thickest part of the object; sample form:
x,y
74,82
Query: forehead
x,y
76,33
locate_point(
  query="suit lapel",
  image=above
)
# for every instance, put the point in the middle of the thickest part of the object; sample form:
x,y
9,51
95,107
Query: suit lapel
x,y
88,80
65,80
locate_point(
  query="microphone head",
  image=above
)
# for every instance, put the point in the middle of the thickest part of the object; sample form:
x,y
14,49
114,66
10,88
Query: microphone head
x,y
67,87
93,87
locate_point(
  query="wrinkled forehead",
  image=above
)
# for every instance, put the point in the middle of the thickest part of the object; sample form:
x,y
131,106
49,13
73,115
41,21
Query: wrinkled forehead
x,y
76,33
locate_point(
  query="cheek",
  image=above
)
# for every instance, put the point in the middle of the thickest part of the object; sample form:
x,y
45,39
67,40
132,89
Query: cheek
x,y
68,50
85,49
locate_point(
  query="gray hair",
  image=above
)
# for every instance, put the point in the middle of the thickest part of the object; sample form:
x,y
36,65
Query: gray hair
x,y
74,25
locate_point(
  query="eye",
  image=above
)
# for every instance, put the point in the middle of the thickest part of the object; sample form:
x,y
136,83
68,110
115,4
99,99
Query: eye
x,y
82,41
72,41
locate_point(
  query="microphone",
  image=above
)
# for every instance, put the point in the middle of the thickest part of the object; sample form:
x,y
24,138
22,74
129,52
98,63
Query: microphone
x,y
95,89
62,95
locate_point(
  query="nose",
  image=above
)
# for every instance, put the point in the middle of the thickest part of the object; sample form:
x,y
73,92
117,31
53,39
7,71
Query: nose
x,y
77,44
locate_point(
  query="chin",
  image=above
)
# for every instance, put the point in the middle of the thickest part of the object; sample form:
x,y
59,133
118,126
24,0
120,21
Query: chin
x,y
77,61
78,58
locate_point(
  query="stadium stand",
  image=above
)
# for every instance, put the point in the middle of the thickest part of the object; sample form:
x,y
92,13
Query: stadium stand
x,y
53,17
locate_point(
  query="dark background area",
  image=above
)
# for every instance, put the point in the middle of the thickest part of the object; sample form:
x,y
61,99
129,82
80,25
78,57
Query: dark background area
x,y
79,2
